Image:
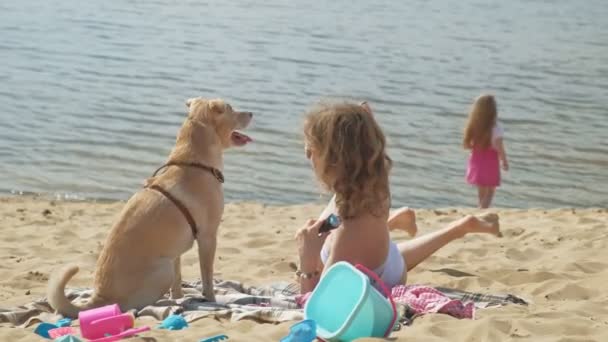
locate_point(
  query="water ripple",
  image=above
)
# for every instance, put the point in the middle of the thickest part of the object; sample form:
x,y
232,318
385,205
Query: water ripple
x,y
94,92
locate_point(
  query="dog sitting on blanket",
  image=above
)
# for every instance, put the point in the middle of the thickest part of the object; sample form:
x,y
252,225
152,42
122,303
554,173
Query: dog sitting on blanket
x,y
140,260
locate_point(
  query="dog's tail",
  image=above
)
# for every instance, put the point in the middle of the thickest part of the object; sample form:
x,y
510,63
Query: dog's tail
x,y
56,294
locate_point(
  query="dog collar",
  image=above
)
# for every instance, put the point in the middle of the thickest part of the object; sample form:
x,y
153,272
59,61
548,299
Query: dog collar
x,y
215,172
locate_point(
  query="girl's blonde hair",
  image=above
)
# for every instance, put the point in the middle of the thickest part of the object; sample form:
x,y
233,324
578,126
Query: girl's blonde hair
x,y
482,118
351,159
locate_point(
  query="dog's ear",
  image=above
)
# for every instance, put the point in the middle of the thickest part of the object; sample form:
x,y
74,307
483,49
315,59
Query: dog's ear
x,y
189,102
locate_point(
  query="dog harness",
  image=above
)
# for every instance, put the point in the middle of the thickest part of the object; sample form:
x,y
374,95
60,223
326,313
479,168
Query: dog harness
x,y
215,172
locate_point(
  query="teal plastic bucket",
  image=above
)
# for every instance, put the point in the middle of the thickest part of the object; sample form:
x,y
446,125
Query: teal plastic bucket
x,y
346,306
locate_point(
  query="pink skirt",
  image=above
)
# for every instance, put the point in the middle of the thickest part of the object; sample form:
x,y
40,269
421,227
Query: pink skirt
x,y
484,168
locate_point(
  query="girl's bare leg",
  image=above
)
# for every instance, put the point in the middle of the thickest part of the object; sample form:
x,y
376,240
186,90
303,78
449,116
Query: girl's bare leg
x,y
489,196
417,250
404,219
481,195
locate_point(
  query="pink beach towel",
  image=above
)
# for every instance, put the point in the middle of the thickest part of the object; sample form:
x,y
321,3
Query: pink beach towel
x,y
424,299
302,299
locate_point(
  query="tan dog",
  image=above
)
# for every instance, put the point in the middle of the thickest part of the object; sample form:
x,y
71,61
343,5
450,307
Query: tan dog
x,y
140,260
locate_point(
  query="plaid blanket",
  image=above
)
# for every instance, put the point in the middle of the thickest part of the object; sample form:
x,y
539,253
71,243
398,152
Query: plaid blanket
x,y
271,304
482,300
415,300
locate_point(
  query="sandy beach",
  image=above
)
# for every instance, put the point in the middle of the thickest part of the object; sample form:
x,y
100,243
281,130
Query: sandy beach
x,y
555,259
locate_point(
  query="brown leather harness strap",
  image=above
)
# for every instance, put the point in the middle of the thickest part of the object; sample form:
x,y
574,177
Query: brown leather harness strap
x,y
217,173
179,206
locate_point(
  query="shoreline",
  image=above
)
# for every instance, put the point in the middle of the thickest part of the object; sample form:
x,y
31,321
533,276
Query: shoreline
x,y
4,196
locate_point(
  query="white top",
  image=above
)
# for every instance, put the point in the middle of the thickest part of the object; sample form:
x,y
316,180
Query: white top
x,y
497,132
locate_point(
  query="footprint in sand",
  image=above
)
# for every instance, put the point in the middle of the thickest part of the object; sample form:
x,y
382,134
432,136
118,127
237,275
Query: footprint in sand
x,y
527,254
257,243
228,251
587,220
259,234
587,267
36,276
571,292
515,231
231,235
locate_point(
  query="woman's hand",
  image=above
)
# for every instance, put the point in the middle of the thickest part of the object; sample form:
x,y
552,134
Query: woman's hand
x,y
310,244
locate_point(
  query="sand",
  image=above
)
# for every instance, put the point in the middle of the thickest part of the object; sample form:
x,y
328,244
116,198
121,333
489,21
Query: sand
x,y
556,259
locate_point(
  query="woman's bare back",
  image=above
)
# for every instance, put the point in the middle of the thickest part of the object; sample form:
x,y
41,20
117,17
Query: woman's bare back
x,y
362,240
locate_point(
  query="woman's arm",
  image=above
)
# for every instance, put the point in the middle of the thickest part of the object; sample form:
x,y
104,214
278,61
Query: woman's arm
x,y
310,263
502,154
339,250
309,250
308,276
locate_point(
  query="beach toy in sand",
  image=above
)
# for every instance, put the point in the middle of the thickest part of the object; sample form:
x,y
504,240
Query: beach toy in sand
x,y
173,322
64,322
345,306
107,323
62,331
305,331
68,338
215,338
43,329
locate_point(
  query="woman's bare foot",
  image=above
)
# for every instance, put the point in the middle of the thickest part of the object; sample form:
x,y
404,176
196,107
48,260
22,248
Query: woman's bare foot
x,y
486,223
403,219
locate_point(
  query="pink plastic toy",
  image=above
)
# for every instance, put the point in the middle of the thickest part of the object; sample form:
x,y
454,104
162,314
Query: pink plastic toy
x,y
107,324
58,332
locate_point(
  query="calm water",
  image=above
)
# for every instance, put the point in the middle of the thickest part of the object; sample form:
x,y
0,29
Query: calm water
x,y
92,92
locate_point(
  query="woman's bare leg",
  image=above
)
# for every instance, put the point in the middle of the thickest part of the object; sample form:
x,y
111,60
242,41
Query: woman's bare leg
x,y
417,250
404,219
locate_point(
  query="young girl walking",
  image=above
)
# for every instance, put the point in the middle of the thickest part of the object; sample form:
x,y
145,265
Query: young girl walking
x,y
483,135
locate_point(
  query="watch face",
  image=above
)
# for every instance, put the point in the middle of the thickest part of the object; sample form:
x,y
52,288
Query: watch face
x,y
333,220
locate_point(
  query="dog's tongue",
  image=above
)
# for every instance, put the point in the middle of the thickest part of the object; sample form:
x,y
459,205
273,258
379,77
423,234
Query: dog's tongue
x,y
240,139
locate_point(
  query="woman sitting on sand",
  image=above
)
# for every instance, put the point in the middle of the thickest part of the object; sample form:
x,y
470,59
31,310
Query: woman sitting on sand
x,y
346,148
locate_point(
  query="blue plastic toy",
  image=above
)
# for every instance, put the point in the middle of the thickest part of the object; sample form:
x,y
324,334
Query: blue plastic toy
x,y
64,322
68,338
43,329
305,331
215,338
357,310
173,322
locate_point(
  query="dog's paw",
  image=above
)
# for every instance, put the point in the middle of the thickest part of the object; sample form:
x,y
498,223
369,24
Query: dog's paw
x,y
176,294
210,297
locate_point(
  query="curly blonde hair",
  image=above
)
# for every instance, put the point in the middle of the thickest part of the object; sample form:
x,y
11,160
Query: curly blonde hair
x,y
350,149
482,118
